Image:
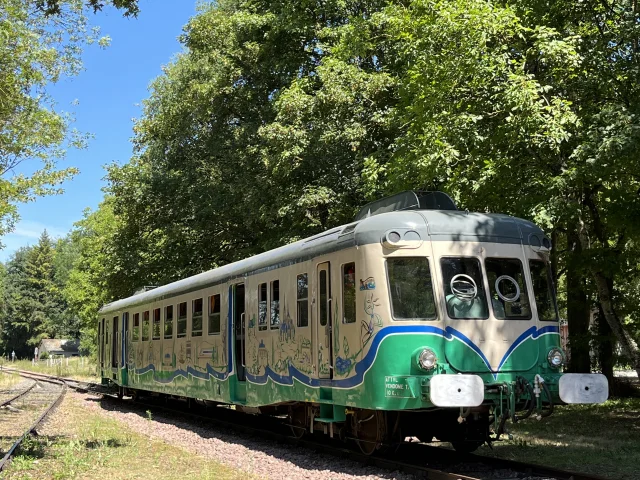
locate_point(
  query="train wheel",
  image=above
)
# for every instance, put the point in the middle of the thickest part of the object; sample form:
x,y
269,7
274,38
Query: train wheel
x,y
466,446
369,431
298,421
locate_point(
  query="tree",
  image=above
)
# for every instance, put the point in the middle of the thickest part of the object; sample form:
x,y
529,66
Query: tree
x,y
54,7
36,50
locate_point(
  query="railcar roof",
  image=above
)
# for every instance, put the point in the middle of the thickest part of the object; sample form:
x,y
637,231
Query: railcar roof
x,y
434,225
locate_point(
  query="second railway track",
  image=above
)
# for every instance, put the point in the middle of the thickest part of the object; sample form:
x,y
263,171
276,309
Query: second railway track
x,y
420,460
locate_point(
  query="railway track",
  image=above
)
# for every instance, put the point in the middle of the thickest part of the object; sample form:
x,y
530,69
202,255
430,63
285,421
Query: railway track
x,y
22,413
418,459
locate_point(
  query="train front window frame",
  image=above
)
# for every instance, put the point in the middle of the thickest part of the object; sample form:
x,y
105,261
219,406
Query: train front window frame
x,y
213,327
181,329
507,288
168,322
145,326
156,324
406,286
348,283
135,331
543,290
467,292
197,307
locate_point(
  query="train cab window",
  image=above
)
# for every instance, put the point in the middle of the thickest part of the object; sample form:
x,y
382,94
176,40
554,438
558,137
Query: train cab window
x,y
542,291
196,317
464,288
275,304
262,306
349,293
135,332
508,289
145,326
182,320
168,322
302,307
214,315
411,288
156,324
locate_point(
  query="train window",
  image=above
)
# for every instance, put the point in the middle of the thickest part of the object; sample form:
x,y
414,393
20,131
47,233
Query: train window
x,y
214,314
411,288
508,289
156,324
542,291
464,288
262,306
145,326
275,304
182,320
168,321
196,317
349,293
302,283
323,298
135,332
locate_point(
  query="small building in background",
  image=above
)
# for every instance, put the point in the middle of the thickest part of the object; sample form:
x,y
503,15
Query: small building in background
x,y
59,347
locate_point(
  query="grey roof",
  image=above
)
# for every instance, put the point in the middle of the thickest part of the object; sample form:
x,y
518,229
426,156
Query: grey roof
x,y
436,225
58,345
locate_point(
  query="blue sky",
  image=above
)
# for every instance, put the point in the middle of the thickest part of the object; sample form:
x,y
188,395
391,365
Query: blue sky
x,y
109,91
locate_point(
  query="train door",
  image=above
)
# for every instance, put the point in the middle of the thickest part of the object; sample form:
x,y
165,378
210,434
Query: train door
x,y
239,330
323,323
124,346
114,344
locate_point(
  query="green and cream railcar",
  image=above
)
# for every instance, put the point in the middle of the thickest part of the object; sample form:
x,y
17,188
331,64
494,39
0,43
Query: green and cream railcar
x,y
417,319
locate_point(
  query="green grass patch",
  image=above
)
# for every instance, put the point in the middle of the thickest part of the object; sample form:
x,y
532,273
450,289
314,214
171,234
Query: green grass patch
x,y
7,380
90,446
598,439
75,367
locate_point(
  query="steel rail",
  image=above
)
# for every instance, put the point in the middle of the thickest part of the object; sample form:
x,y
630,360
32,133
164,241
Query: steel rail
x,y
16,397
35,425
419,450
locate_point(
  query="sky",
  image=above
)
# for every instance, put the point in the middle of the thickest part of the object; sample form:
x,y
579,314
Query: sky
x,y
109,93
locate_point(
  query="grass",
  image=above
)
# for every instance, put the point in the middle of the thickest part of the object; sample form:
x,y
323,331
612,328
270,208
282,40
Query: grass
x,y
7,380
597,439
90,446
79,368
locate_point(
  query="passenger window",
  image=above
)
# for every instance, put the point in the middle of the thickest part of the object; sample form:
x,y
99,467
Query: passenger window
x,y
168,321
509,298
214,314
135,332
302,283
182,320
542,291
196,317
262,306
323,298
411,288
275,304
349,293
464,288
156,324
145,326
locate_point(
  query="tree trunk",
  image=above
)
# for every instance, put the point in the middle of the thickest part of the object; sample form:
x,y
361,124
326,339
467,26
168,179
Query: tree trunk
x,y
578,311
629,346
605,347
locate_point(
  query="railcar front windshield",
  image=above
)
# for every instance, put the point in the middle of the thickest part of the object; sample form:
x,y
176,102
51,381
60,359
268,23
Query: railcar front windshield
x,y
508,289
542,291
464,288
411,288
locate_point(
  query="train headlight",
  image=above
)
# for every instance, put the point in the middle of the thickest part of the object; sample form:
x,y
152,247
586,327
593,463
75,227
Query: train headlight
x,y
427,359
555,357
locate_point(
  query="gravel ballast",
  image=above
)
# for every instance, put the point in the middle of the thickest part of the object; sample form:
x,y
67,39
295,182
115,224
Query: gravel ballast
x,y
255,456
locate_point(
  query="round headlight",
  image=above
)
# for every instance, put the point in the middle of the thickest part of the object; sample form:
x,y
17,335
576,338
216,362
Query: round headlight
x,y
427,359
555,357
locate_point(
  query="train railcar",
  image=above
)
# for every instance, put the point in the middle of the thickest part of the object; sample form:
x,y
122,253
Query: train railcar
x,y
417,319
